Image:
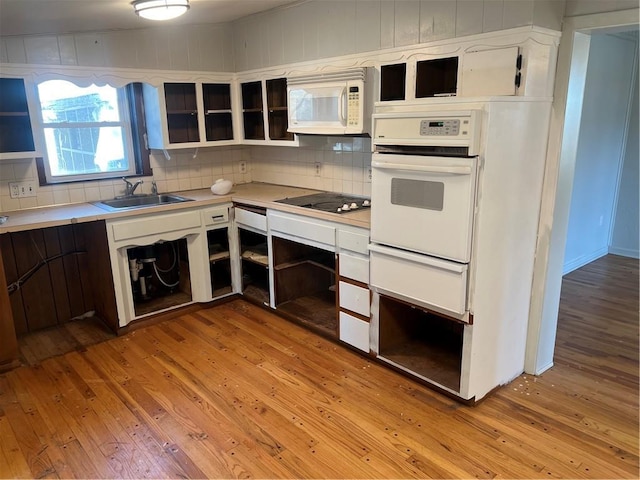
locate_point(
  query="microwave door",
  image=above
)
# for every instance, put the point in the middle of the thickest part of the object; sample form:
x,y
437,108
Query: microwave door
x,y
315,108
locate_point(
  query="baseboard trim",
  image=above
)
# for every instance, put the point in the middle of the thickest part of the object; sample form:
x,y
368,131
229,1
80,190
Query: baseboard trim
x,y
583,260
625,252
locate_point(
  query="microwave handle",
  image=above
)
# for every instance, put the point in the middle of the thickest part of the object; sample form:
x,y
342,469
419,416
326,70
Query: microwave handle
x,y
452,170
342,103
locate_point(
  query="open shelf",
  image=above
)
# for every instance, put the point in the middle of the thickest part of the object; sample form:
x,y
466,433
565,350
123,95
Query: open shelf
x,y
393,82
305,280
15,124
217,108
317,311
423,342
438,77
219,261
254,256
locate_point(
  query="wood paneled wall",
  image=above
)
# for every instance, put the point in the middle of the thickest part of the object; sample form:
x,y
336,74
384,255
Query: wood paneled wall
x,y
67,265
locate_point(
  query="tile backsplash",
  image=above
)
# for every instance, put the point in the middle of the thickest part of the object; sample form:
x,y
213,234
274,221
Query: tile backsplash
x,y
344,166
184,170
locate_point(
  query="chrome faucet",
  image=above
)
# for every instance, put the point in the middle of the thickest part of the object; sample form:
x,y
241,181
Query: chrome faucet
x,y
129,187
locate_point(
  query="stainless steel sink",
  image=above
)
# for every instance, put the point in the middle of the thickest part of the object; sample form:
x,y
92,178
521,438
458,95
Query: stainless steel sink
x,y
140,201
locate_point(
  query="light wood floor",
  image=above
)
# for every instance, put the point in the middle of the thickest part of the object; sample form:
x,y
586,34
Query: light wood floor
x,y
234,391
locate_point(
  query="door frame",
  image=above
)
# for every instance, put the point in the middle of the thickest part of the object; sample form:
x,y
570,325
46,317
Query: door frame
x,y
559,171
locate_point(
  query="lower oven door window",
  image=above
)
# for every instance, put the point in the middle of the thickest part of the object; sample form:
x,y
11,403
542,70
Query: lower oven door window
x,y
424,204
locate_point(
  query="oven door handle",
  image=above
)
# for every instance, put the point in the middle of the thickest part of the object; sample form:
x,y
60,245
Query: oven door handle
x,y
450,170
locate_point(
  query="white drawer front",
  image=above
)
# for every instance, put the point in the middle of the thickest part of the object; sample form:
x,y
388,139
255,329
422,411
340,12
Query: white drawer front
x,y
355,298
299,228
356,242
251,219
430,281
354,331
354,267
213,216
157,224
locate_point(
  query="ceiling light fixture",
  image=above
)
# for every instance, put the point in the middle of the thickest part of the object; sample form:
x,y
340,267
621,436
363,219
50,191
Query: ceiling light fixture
x,y
160,9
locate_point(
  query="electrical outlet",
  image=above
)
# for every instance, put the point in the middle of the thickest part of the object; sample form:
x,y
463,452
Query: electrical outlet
x,y
14,190
369,173
243,167
317,169
22,189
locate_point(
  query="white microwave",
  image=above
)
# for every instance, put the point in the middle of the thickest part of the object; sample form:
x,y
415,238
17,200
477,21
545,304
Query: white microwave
x,y
329,104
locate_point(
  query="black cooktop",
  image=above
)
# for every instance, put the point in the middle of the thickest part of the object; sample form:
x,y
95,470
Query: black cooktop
x,y
329,202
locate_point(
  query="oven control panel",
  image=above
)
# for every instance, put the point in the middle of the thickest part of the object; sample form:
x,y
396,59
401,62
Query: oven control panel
x,y
440,127
421,127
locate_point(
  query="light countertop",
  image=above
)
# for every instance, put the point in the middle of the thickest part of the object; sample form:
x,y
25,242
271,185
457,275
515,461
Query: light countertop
x,y
256,194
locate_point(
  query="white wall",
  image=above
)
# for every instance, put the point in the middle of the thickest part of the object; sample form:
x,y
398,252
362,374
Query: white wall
x,y
189,47
328,28
586,7
600,148
625,238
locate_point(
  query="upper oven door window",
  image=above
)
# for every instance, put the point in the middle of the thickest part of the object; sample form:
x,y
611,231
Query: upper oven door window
x,y
424,204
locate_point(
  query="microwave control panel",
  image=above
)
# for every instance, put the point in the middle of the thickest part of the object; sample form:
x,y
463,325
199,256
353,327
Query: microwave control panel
x,y
353,106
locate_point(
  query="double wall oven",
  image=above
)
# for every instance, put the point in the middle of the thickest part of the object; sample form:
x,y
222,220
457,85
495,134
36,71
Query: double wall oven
x,y
424,180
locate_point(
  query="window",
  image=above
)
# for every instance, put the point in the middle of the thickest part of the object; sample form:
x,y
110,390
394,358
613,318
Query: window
x,y
89,132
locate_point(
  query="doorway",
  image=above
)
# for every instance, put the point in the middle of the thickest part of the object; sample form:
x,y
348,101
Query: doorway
x,y
559,177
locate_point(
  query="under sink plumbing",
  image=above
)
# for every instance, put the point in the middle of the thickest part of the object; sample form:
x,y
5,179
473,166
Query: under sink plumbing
x,y
145,273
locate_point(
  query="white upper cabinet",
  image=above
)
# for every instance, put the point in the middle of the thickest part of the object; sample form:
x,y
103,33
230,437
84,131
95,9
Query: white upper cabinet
x,y
189,114
264,113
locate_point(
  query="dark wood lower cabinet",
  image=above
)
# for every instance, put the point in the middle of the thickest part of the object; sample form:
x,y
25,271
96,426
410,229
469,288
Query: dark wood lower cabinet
x,y
56,274
8,342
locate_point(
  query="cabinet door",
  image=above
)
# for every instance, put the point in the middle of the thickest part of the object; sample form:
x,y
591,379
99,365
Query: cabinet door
x,y
490,72
16,134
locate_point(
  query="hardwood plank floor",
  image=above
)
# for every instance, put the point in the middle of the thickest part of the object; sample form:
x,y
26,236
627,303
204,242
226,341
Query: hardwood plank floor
x,y
236,391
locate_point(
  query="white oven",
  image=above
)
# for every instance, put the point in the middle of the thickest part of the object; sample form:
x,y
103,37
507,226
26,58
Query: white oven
x,y
424,204
423,197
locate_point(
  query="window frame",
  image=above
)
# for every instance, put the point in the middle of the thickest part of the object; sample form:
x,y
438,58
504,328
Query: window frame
x,y
131,105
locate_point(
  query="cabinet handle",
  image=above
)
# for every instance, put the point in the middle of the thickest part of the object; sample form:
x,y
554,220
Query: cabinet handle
x,y
217,218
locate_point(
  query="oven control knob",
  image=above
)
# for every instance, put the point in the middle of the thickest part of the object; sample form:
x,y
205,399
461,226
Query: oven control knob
x,y
366,203
354,205
339,209
345,207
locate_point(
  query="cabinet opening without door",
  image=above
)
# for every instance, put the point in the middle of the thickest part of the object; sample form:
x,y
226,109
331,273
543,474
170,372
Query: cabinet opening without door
x,y
305,284
421,342
160,276
219,261
255,265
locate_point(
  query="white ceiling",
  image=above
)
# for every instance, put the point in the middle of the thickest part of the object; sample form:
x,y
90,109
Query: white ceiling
x,y
33,17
